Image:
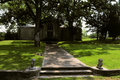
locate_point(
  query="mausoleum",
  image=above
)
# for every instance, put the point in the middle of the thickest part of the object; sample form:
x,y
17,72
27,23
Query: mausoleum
x,y
51,30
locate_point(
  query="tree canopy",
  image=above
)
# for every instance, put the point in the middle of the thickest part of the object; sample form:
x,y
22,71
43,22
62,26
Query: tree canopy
x,y
101,15
104,17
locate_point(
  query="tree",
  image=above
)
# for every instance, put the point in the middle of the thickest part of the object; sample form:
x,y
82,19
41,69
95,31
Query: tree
x,y
2,34
72,11
114,21
103,16
26,11
84,33
3,1
93,35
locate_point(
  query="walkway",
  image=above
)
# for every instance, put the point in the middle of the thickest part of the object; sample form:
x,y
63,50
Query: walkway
x,y
57,57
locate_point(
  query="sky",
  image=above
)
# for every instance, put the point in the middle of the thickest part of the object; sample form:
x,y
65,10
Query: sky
x,y
2,28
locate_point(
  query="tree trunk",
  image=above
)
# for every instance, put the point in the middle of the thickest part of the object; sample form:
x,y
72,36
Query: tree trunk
x,y
113,38
105,35
97,34
38,24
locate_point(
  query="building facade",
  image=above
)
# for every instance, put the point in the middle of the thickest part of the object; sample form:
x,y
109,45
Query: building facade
x,y
50,31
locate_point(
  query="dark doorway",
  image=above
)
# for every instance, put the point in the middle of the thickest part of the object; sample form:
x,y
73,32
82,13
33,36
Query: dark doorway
x,y
50,30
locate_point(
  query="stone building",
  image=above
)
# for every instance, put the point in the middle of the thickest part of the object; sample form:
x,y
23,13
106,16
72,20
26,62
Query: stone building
x,y
50,31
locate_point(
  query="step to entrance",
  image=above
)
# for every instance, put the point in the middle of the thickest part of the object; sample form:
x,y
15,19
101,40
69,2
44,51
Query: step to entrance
x,y
47,72
59,76
63,71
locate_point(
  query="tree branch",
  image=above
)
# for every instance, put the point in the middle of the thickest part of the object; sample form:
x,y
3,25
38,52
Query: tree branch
x,y
31,12
4,1
32,2
36,1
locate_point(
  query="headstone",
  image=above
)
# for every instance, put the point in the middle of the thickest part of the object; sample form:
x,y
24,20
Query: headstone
x,y
32,64
99,65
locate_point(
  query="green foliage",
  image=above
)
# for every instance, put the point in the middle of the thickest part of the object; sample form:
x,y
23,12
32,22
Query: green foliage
x,y
11,35
2,35
93,35
15,12
84,34
17,54
114,21
71,11
103,17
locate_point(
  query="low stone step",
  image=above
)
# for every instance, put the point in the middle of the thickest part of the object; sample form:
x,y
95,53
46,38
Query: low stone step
x,y
52,72
58,76
56,71
65,68
65,73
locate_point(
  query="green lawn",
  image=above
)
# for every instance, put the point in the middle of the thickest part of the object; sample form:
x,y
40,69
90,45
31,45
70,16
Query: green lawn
x,y
89,51
17,54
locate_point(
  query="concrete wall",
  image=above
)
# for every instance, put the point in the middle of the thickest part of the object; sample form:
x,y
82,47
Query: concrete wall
x,y
19,75
26,33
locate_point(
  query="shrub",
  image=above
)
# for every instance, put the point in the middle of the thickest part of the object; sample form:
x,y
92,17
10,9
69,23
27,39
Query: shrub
x,y
10,36
2,35
93,35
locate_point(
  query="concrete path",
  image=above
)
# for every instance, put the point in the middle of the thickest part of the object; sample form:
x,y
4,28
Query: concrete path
x,y
57,57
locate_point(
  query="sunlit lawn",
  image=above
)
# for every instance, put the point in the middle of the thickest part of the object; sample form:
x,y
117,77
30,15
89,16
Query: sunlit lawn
x,y
89,51
17,54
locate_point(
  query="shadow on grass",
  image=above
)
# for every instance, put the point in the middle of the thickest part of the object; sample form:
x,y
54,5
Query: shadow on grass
x,y
23,41
88,48
87,53
17,56
107,41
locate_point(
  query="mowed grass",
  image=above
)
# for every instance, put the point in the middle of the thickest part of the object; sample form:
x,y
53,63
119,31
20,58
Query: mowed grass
x,y
17,54
89,51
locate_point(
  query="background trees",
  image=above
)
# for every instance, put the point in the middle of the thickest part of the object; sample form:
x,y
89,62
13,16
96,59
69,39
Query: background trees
x,y
114,21
104,17
101,15
23,12
72,11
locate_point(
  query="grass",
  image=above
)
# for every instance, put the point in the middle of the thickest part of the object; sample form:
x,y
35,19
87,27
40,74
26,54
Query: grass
x,y
17,54
89,51
86,78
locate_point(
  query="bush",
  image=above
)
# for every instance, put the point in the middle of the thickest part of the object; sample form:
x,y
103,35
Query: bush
x,y
1,38
10,36
2,35
93,35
